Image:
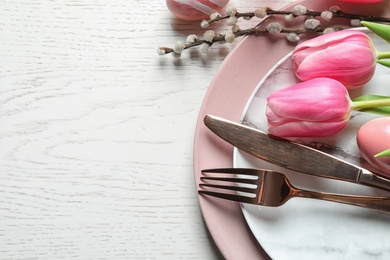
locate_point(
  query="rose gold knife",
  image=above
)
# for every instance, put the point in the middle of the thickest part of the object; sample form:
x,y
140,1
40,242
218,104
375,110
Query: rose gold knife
x,y
292,155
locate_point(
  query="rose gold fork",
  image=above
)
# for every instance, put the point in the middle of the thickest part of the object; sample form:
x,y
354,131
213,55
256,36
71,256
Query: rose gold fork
x,y
270,188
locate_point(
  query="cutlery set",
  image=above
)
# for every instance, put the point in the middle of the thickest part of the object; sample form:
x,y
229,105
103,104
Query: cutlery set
x,y
270,188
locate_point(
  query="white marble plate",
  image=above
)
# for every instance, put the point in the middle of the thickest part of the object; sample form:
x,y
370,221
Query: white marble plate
x,y
304,228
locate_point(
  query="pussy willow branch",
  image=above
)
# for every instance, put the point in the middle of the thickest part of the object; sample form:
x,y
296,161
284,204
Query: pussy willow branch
x,y
251,31
341,14
257,30
309,13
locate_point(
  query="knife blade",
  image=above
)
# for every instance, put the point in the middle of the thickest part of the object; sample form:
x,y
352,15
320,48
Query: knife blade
x,y
290,155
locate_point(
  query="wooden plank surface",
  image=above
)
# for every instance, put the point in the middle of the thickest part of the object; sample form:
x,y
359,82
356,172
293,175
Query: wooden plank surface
x,y
96,131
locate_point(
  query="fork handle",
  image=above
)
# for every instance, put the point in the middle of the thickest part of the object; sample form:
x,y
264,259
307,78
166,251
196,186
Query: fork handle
x,y
377,203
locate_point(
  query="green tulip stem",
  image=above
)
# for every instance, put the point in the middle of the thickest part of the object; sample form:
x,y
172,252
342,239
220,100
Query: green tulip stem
x,y
358,105
383,55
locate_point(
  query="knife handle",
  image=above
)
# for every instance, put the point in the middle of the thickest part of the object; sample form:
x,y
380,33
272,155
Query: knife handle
x,y
371,179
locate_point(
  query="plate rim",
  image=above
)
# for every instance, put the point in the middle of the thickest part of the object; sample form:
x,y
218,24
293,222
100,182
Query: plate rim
x,y
218,214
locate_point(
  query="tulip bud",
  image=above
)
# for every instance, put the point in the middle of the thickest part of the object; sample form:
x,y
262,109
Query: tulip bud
x,y
314,108
347,56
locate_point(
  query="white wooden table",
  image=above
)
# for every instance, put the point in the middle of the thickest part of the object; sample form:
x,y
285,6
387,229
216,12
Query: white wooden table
x,y
96,131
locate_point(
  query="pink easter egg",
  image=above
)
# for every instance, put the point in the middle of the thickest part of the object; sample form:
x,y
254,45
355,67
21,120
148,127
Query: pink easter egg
x,y
372,138
195,10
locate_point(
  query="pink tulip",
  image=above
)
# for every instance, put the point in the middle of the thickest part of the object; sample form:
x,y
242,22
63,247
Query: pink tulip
x,y
348,56
314,108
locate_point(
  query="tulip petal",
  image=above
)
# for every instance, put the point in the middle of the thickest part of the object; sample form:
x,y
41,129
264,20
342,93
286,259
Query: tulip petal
x,y
330,39
307,129
318,99
317,107
348,56
337,63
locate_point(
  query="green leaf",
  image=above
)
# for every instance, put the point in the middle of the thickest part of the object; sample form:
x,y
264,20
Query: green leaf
x,y
384,63
385,153
384,110
382,30
370,97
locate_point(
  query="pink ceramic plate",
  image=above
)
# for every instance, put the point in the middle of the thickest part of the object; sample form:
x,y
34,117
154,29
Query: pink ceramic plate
x,y
227,97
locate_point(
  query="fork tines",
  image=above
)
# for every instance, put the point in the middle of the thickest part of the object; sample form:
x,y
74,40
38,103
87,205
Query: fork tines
x,y
244,183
